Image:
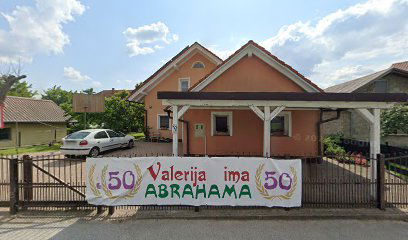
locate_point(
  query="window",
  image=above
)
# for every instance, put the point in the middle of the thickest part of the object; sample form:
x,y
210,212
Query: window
x,y
380,86
198,64
184,84
163,122
101,135
221,124
112,134
5,134
281,125
78,135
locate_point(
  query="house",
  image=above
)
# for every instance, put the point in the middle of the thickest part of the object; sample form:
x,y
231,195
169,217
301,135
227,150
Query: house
x,y
252,103
29,122
113,91
391,80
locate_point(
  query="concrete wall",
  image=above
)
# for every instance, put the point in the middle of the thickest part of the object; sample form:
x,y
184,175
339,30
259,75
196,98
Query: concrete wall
x,y
33,134
247,134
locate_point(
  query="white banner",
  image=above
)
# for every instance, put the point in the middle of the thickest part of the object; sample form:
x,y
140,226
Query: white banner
x,y
233,181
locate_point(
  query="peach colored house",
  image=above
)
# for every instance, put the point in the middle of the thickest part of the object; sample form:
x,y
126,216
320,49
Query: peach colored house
x,y
250,104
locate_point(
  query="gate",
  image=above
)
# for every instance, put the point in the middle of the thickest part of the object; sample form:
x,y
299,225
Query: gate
x,y
46,182
51,182
396,181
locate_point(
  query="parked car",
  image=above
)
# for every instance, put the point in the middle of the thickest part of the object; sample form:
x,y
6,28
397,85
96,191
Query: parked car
x,y
92,142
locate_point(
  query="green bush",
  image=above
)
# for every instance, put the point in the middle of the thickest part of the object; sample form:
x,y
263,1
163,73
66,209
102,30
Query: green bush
x,y
332,145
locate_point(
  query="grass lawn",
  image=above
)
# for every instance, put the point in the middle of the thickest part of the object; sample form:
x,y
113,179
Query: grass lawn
x,y
32,149
138,136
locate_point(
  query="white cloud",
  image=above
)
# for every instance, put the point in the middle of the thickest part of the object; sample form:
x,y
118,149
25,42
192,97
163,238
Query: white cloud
x,y
38,29
74,75
372,34
145,39
79,79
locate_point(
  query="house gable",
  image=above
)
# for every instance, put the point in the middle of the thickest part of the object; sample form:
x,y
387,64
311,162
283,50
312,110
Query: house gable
x,y
171,66
253,50
251,74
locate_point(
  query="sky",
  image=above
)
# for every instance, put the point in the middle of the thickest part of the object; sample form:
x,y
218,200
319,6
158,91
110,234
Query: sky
x,y
78,44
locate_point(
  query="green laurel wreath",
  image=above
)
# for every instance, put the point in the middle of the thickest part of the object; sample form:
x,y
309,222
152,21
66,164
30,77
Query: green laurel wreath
x,y
129,194
265,193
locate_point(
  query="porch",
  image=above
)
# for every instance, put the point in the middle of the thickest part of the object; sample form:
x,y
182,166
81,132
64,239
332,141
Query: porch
x,y
267,105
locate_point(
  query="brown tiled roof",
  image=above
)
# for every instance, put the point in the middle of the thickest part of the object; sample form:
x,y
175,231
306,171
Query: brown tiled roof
x,y
401,65
19,109
110,93
353,85
268,53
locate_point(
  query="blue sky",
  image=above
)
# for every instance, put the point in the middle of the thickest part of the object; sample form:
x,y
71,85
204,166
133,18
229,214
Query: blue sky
x,y
104,44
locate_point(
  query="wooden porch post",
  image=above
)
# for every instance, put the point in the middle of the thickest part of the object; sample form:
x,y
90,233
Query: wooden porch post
x,y
174,129
267,132
375,144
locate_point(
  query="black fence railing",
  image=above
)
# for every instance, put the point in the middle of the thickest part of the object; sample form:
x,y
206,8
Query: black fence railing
x,y
55,182
362,147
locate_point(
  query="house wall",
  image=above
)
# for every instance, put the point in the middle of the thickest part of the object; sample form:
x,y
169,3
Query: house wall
x,y
171,83
352,125
33,134
247,134
251,74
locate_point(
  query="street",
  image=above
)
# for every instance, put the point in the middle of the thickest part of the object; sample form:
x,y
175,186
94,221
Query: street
x,y
74,228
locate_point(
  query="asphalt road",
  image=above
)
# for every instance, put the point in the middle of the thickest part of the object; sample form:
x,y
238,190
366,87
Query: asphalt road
x,y
209,229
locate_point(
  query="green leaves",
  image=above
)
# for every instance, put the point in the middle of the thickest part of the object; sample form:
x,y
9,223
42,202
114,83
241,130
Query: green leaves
x,y
395,120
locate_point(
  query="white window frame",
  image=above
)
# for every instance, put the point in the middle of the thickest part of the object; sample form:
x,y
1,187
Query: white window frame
x,y
194,63
229,115
287,124
182,80
158,122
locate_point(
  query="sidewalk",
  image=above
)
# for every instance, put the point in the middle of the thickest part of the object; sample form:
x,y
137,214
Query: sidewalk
x,y
237,214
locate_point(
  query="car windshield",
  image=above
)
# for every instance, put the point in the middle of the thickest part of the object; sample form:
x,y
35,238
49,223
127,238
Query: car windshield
x,y
78,135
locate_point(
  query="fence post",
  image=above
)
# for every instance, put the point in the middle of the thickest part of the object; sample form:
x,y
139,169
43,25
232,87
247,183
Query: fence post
x,y
13,186
111,210
380,182
28,177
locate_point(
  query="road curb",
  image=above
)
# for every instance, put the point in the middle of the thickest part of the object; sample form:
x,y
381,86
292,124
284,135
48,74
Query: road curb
x,y
268,215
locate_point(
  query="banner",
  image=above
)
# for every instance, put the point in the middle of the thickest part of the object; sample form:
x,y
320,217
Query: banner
x,y
196,181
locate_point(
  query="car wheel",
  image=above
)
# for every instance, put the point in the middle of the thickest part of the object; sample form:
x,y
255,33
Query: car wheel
x,y
94,152
131,144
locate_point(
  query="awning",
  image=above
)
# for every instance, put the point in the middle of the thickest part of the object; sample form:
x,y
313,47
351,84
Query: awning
x,y
287,99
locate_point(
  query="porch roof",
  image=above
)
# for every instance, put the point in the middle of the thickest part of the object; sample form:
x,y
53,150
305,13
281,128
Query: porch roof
x,y
287,99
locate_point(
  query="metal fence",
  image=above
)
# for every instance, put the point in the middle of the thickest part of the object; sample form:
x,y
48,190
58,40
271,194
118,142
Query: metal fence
x,y
53,182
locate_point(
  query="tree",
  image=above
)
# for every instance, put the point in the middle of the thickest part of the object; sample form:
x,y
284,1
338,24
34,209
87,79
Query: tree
x,y
22,89
8,79
395,120
58,95
121,115
88,91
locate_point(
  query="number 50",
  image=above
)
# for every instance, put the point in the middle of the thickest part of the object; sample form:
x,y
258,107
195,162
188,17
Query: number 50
x,y
118,182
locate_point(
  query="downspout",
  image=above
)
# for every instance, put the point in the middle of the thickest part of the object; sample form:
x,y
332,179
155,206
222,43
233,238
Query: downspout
x,y
146,130
187,130
321,121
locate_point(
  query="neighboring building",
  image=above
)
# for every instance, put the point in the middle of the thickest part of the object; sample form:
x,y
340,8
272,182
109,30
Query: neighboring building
x,y
391,80
179,74
113,91
31,122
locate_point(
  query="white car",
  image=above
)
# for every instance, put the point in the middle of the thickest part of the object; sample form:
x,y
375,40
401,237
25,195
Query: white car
x,y
92,142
